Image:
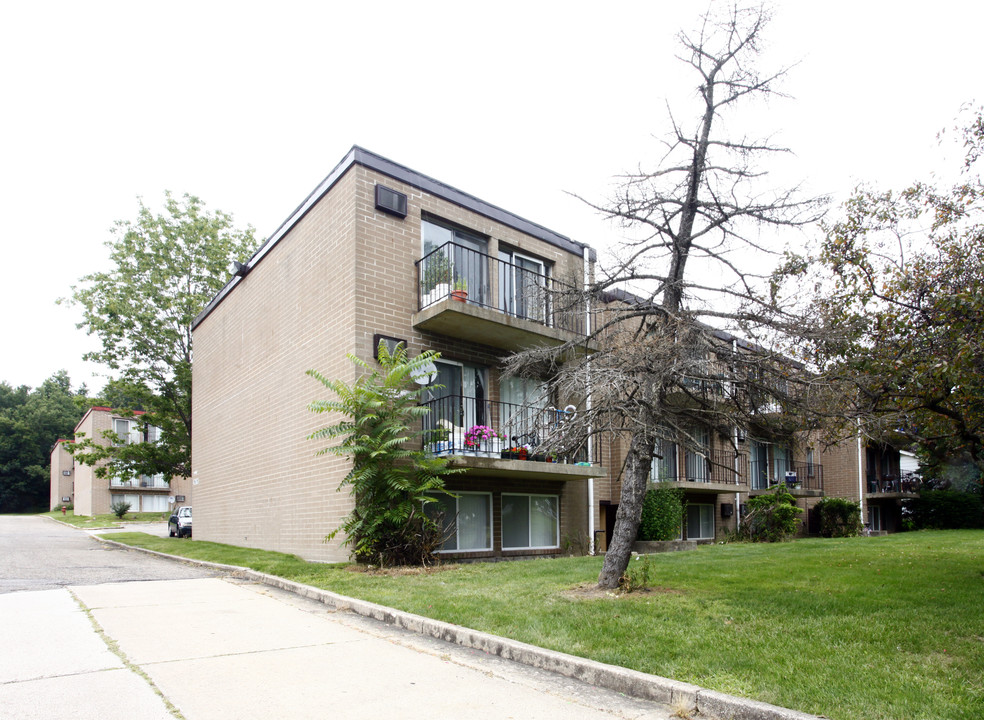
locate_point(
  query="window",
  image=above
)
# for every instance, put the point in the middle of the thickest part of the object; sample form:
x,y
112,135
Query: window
x,y
530,521
759,465
460,402
122,429
665,468
467,521
700,522
696,461
810,462
523,286
523,410
874,518
782,460
452,256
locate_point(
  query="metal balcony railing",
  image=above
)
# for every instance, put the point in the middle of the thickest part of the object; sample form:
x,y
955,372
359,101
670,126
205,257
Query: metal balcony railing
x,y
459,272
808,476
904,482
458,425
145,482
721,466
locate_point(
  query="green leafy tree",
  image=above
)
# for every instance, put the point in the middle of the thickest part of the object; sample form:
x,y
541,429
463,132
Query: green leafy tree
x,y
662,513
392,479
898,291
165,269
31,421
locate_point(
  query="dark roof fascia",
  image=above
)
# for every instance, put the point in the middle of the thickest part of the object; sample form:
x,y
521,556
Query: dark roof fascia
x,y
372,161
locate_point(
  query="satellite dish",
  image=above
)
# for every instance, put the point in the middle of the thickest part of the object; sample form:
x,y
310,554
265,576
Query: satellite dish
x,y
425,374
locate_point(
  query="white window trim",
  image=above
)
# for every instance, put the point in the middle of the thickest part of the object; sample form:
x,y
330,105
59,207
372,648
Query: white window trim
x,y
490,518
686,519
530,519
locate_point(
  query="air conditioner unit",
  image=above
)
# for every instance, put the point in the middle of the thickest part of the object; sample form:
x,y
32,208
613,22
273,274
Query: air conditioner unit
x,y
390,201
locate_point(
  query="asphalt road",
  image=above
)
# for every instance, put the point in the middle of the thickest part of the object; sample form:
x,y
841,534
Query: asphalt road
x,y
38,554
92,632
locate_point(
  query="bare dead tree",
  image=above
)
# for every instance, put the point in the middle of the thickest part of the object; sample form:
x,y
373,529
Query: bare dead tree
x,y
692,347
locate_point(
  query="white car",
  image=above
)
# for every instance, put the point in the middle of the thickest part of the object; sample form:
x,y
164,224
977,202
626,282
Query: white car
x,y
180,522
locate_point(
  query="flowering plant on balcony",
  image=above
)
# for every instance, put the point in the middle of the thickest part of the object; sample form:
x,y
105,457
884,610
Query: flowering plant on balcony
x,y
477,434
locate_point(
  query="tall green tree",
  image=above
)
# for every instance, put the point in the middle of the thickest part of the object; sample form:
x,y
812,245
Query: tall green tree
x,y
31,421
898,292
164,269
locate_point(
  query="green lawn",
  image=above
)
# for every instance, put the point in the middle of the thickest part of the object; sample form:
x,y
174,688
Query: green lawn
x,y
104,521
863,628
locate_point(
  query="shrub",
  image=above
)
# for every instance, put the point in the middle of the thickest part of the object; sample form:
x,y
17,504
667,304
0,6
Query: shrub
x,y
839,517
392,478
120,508
638,575
662,513
945,510
772,517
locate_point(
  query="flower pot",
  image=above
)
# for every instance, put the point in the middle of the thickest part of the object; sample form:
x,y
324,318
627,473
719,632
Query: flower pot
x,y
459,295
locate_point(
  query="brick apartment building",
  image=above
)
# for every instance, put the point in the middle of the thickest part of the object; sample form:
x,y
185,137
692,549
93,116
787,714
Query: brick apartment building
x,y
380,252
62,475
92,495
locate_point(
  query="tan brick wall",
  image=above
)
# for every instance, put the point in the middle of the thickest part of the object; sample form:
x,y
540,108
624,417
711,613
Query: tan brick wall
x,y
840,470
91,492
61,485
344,273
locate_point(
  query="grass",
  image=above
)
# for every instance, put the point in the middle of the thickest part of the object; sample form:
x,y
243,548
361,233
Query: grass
x,y
104,521
883,627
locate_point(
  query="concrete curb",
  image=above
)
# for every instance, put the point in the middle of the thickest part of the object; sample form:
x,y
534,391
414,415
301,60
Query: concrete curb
x,y
708,703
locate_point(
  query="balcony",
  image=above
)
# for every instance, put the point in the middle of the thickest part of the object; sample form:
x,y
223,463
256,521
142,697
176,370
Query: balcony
x,y
903,485
710,474
506,440
142,484
470,295
801,479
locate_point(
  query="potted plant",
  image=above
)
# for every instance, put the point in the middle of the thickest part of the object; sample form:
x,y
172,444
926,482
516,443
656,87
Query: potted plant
x,y
519,452
435,280
481,438
460,292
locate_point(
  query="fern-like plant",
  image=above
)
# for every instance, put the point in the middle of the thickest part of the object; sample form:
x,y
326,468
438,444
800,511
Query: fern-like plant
x,y
392,477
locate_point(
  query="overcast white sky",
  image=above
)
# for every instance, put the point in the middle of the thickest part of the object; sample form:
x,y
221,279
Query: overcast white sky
x,y
250,104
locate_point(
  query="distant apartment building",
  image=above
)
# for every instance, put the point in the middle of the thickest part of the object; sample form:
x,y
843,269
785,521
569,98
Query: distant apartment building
x,y
62,475
94,495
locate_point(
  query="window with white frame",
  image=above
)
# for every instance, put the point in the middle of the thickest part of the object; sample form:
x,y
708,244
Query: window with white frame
x,y
695,461
457,257
874,518
467,520
700,522
530,521
664,467
523,283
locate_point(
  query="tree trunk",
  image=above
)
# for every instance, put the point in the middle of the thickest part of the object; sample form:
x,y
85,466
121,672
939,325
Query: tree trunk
x,y
635,482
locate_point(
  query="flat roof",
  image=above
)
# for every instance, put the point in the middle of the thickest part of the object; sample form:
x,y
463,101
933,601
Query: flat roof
x,y
372,161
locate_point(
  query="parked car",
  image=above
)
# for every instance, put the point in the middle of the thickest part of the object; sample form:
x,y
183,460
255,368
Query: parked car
x,y
180,522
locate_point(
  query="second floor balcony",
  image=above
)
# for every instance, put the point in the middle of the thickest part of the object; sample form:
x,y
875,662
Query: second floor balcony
x,y
720,471
471,295
510,441
800,478
900,485
144,482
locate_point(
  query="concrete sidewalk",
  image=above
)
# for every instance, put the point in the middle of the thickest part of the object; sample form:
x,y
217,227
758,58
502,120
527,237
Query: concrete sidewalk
x,y
227,648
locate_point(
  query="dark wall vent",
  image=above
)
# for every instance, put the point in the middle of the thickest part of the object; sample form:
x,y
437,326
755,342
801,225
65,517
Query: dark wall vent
x,y
390,201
